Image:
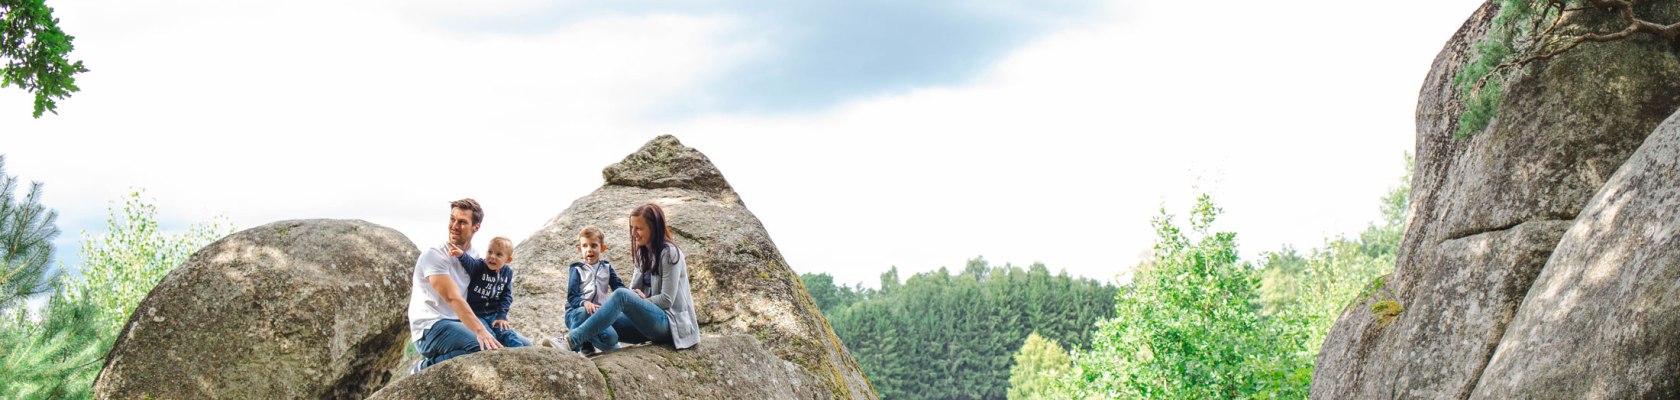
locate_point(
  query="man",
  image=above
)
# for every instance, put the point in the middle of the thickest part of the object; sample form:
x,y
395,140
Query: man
x,y
436,298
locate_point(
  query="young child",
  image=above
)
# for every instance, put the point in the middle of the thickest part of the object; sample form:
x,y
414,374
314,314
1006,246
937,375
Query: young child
x,y
490,292
591,281
664,311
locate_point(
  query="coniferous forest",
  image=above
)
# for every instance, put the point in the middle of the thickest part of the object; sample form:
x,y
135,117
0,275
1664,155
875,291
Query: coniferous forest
x,y
1194,321
953,335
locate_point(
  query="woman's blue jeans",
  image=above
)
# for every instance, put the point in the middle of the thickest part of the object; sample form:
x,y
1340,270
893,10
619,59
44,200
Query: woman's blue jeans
x,y
634,318
607,340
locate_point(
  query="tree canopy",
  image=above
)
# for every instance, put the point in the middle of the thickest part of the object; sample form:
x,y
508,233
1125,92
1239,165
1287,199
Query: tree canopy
x,y
1190,326
1037,367
36,53
939,335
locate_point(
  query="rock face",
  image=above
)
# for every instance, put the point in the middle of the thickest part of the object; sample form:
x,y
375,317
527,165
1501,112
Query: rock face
x,y
722,367
1603,318
522,373
741,283
292,309
1489,211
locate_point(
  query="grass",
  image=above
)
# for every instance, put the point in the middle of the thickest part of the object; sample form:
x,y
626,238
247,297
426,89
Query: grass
x,y
1386,311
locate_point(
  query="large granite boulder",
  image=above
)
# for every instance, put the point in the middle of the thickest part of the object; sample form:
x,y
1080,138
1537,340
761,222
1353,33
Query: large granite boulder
x,y
741,283
1603,319
1489,210
292,309
520,373
721,367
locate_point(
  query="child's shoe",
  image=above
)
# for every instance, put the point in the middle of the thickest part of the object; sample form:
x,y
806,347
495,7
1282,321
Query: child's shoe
x,y
558,342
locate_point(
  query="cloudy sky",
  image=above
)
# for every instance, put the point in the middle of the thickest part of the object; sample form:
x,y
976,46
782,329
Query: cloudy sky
x,y
865,134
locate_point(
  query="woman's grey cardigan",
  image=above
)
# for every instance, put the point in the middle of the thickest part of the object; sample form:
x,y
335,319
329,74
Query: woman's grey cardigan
x,y
670,292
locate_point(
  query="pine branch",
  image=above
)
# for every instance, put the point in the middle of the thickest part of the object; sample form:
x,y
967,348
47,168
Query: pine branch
x,y
1624,8
1556,22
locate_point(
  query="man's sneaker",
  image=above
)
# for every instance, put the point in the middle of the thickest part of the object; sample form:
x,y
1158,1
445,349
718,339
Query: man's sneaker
x,y
418,365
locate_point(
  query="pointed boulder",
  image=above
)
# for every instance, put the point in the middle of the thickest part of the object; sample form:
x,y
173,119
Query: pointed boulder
x,y
741,283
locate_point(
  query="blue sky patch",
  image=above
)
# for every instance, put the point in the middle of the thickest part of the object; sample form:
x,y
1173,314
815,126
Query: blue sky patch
x,y
825,53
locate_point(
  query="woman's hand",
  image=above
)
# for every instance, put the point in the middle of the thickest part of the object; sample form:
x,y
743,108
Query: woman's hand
x,y
589,308
639,293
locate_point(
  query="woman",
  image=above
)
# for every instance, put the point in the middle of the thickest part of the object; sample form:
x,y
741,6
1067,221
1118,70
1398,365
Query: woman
x,y
657,306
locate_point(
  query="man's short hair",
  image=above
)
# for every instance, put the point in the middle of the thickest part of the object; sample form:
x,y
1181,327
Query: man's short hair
x,y
591,232
469,205
502,242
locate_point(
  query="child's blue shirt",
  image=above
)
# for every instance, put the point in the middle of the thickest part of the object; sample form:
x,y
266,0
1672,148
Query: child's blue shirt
x,y
490,293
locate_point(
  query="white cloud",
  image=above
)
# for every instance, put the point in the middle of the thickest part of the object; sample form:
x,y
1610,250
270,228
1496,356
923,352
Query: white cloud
x,y
1063,151
243,111
1293,117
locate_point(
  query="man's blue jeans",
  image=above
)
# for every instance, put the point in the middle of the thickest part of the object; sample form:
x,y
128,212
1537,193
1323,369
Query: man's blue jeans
x,y
508,337
607,340
635,319
446,339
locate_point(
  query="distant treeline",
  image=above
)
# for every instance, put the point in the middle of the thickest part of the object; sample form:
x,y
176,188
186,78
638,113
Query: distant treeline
x,y
944,336
1194,321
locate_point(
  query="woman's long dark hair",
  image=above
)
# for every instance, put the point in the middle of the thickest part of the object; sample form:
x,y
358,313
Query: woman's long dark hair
x,y
659,234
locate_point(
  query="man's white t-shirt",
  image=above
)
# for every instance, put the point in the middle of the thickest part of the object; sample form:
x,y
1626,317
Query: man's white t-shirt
x,y
425,306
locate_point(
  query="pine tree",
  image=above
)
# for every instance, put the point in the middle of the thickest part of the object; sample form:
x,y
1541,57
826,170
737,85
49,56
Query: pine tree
x,y
1529,32
939,335
41,347
55,358
26,233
